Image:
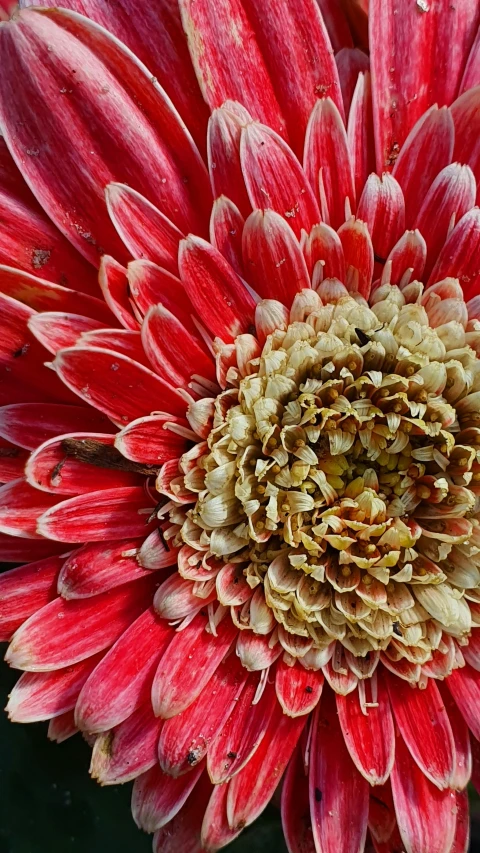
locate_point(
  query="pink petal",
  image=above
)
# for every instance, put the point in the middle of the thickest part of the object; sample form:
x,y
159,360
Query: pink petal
x,y
237,741
128,750
298,689
30,424
250,790
216,832
88,627
149,442
25,590
55,330
272,257
41,695
15,550
106,514
274,178
61,728
170,693
464,685
459,25
369,734
12,461
338,793
471,76
226,227
426,815
150,285
223,146
125,341
461,735
225,70
323,245
296,822
451,195
382,208
301,67
466,118
185,738
97,567
157,797
327,162
459,256
256,651
84,118
424,725
183,832
434,132
358,253
119,387
360,133
121,680
51,469
114,286
350,63
408,256
173,352
219,297
154,553
20,508
144,230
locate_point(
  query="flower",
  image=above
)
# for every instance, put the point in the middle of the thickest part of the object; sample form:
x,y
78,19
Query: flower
x,y
242,469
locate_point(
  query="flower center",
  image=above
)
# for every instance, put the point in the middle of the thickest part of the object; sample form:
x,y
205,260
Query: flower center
x,y
338,483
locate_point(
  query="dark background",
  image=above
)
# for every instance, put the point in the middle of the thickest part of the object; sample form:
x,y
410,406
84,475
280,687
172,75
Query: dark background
x,y
49,804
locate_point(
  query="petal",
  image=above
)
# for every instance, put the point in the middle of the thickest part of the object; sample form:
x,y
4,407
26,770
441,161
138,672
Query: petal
x,y
256,651
351,61
296,822
416,799
172,351
360,133
226,227
144,230
338,793
336,24
97,567
149,441
216,832
12,461
434,132
272,257
461,735
110,513
382,821
88,627
125,341
466,118
183,832
41,695
464,685
119,387
274,178
114,286
120,681
55,330
61,728
30,424
216,292
407,259
15,550
170,693
424,725
25,590
154,553
382,208
128,750
358,253
20,508
80,114
323,245
298,689
369,734
157,797
185,738
223,146
471,76
459,255
151,285
327,162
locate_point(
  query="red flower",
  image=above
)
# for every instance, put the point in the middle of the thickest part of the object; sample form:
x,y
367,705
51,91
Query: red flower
x,y
243,472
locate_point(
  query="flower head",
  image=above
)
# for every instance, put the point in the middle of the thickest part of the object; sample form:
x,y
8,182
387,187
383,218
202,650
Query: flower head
x,y
240,429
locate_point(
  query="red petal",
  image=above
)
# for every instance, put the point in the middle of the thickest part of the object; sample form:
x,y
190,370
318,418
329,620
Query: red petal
x,y
20,508
114,286
127,342
338,793
55,330
461,735
301,67
149,442
121,680
119,387
471,76
12,461
382,208
154,553
79,117
25,590
14,550
216,832
382,821
466,118
226,227
461,842
186,738
41,695
255,651
327,162
173,352
426,816
298,689
97,567
464,685
241,735
150,285
323,244
434,132
51,469
336,23
351,62
358,252
223,143
130,749
107,514
183,832
369,735
170,693
87,627
157,798
272,257
296,821
215,290
251,789
423,722
360,133
146,232
61,728
407,256
30,424
225,70
459,256
275,179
